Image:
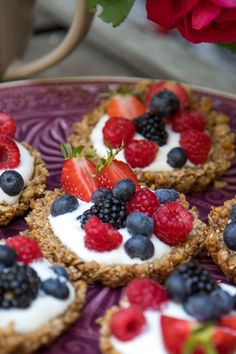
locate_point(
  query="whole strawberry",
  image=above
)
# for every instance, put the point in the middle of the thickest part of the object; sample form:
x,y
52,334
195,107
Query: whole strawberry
x,y
196,145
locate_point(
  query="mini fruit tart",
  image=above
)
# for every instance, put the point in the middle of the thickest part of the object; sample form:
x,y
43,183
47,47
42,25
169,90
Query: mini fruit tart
x,y
22,173
191,315
37,300
221,242
171,138
107,228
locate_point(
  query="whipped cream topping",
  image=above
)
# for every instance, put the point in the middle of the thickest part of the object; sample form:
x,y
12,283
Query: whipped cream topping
x,y
25,168
160,161
43,309
150,339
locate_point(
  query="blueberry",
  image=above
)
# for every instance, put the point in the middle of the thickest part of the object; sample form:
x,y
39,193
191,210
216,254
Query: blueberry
x,y
55,288
234,298
60,271
224,302
64,204
176,288
166,195
233,213
11,182
201,307
124,189
140,247
176,157
100,194
230,236
165,103
139,223
7,256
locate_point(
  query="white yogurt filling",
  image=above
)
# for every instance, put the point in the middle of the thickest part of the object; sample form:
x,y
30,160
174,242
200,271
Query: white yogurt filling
x,y
150,340
25,168
43,309
160,161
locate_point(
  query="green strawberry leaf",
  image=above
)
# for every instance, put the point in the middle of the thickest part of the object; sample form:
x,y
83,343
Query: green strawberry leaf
x,y
112,11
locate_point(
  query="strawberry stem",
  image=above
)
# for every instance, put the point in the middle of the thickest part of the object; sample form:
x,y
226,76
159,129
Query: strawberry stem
x,y
111,154
68,152
122,90
201,337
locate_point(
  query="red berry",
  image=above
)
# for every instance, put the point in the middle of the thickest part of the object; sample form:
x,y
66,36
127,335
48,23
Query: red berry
x,y
144,201
140,153
174,87
9,153
101,237
188,119
127,323
117,131
7,125
196,145
172,223
126,106
28,250
146,293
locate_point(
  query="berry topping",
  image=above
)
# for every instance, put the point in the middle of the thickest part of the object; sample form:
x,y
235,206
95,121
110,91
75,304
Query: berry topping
x,y
230,236
188,119
176,157
127,323
11,182
28,250
9,153
7,125
126,106
146,293
118,131
18,286
174,87
196,145
172,223
224,302
165,195
164,103
201,307
139,224
64,204
189,279
139,246
55,288
140,153
232,216
144,201
78,174
7,256
60,271
101,237
152,127
100,194
124,189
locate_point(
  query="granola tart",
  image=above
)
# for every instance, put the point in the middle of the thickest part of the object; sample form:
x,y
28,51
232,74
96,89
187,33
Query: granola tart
x,y
191,176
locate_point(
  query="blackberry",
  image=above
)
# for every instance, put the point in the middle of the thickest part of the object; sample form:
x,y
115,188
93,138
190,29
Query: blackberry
x,y
111,211
152,127
19,286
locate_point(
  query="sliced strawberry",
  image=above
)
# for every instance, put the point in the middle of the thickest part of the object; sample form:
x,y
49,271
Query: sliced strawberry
x,y
9,153
228,321
7,125
176,88
224,340
125,106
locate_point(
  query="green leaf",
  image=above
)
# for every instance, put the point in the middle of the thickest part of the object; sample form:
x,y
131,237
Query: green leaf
x,y
113,11
230,46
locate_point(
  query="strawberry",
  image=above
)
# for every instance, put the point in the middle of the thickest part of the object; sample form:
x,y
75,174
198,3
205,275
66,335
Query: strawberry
x,y
7,125
176,88
228,321
117,131
9,153
78,174
125,106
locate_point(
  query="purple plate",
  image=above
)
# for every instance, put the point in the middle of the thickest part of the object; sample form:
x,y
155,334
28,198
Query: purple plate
x,y
45,112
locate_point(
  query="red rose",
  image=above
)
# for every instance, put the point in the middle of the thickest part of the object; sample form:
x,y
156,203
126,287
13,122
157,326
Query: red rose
x,y
198,21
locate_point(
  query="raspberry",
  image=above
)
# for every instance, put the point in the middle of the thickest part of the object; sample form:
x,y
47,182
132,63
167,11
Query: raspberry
x,y
188,119
196,145
117,131
140,153
144,201
101,237
7,125
127,323
27,250
9,153
172,223
146,293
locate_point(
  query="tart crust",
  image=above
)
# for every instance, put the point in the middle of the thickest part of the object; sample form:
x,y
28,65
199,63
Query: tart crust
x,y
105,344
33,190
222,256
24,343
113,275
189,178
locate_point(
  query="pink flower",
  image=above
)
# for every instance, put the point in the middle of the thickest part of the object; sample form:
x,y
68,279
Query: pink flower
x,y
197,20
